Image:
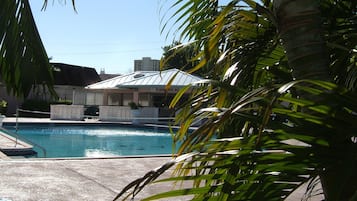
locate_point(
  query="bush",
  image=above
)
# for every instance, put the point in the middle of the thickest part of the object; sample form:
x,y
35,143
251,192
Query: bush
x,y
134,106
3,107
61,102
39,106
35,105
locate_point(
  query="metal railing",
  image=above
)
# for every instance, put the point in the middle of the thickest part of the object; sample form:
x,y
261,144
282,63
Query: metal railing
x,y
16,135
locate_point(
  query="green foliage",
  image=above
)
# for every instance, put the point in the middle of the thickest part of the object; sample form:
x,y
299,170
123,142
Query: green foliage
x,y
340,27
3,107
134,106
61,102
46,2
181,56
267,131
39,108
35,105
3,103
23,59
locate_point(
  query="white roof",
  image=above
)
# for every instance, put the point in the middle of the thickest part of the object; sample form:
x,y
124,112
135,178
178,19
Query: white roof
x,y
144,79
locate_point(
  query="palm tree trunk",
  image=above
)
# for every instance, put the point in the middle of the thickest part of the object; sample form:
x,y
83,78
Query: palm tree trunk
x,y
300,28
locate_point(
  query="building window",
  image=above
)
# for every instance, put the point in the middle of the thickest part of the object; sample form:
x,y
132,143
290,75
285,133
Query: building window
x,y
115,99
127,98
94,99
144,99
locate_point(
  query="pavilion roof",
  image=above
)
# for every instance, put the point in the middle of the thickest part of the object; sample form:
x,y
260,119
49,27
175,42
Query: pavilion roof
x,y
148,79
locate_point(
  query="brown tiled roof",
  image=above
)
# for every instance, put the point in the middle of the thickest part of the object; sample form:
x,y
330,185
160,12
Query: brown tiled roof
x,y
66,74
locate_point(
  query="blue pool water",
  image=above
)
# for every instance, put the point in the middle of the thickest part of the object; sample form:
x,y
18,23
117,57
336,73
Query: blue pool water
x,y
96,141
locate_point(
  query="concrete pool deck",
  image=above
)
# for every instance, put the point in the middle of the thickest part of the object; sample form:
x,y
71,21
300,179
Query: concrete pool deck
x,y
82,179
88,179
10,145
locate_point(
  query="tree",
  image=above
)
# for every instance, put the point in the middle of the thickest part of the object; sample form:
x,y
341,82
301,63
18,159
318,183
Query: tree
x,y
268,90
304,39
279,105
177,59
182,56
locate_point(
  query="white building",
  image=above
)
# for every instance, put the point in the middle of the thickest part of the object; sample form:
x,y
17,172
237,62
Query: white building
x,y
149,89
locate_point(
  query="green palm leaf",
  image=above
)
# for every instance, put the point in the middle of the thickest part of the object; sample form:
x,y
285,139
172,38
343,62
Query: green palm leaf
x,y
265,131
23,59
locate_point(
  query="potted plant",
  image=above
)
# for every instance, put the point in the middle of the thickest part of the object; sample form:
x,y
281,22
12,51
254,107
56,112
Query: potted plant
x,y
135,112
133,106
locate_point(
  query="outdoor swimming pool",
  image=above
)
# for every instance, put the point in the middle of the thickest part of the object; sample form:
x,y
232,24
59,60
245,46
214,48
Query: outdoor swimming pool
x,y
95,141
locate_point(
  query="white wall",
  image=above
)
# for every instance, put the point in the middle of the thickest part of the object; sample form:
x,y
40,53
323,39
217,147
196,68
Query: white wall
x,y
124,113
67,112
114,113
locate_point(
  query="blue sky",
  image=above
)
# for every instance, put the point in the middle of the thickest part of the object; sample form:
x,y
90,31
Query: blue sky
x,y
106,34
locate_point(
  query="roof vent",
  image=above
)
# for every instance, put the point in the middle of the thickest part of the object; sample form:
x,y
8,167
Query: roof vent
x,y
138,75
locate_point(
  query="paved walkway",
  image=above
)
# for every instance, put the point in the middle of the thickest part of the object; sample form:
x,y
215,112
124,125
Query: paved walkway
x,y
80,179
70,179
93,179
9,144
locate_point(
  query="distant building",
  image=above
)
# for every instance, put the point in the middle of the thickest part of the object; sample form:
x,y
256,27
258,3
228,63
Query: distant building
x,y
106,76
147,88
146,64
69,83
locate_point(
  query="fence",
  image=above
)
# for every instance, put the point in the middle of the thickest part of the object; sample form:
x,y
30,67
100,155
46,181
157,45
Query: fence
x,y
108,113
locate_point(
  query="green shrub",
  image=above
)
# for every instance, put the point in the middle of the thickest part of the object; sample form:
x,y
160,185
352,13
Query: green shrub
x,y
134,106
36,106
39,106
3,107
61,102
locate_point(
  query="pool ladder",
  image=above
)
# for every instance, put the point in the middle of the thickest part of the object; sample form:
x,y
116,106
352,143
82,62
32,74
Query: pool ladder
x,y
23,138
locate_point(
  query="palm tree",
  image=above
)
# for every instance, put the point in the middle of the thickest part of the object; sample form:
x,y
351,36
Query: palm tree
x,y
279,106
279,109
23,59
301,30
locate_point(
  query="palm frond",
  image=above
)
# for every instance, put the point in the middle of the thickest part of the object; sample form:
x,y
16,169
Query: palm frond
x,y
262,133
287,155
340,25
23,59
